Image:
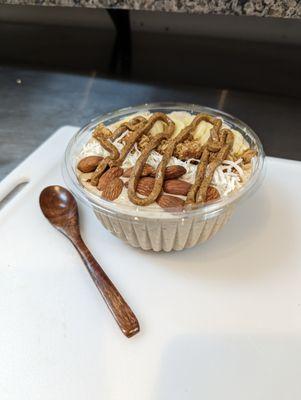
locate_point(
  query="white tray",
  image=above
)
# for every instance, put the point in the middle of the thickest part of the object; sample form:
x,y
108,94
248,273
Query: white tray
x,y
220,321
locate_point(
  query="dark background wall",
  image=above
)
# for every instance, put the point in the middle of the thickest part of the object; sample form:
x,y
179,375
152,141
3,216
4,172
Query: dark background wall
x,y
63,66
245,53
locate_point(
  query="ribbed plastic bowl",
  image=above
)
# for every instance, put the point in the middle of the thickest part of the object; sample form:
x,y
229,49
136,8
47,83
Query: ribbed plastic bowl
x,y
156,229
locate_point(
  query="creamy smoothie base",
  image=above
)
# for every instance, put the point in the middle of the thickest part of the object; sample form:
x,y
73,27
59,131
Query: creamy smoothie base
x,y
160,207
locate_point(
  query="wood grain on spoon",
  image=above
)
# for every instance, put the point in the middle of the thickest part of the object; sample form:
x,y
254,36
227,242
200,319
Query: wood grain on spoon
x,y
60,208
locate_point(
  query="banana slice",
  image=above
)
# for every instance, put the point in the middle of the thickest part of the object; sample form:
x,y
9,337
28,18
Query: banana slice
x,y
202,132
112,127
240,144
157,128
181,119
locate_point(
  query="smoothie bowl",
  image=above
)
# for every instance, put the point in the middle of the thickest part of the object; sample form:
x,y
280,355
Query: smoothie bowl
x,y
164,176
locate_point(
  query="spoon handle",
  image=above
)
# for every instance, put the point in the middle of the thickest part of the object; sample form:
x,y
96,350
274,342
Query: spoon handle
x,y
120,310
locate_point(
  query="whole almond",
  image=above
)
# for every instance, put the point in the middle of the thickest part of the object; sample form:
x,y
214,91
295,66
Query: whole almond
x,y
89,164
145,186
171,203
147,170
127,172
176,186
173,172
212,194
113,189
108,176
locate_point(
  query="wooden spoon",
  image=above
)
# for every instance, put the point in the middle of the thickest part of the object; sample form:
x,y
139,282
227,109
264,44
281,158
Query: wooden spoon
x,y
60,208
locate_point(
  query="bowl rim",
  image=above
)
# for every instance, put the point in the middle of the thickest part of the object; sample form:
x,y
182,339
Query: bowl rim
x,y
206,210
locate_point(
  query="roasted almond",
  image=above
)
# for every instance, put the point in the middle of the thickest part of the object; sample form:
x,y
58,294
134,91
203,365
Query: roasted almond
x,y
147,170
113,189
171,203
127,172
173,172
145,186
212,194
89,164
176,186
108,176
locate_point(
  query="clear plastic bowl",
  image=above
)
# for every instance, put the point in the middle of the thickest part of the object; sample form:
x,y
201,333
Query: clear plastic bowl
x,y
157,229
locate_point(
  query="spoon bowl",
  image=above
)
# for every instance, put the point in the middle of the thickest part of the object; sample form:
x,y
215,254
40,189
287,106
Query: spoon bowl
x,y
57,202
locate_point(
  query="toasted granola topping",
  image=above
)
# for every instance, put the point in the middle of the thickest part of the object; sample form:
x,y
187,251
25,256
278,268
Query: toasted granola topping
x,y
189,149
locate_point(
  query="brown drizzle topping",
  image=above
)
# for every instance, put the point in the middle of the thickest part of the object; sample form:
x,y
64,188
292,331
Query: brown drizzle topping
x,y
106,137
138,168
211,155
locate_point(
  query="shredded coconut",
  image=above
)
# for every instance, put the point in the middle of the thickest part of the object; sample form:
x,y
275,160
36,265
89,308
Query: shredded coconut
x,y
235,165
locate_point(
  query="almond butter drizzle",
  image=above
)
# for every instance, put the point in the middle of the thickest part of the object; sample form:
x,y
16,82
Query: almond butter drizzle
x,y
138,168
206,169
216,149
106,137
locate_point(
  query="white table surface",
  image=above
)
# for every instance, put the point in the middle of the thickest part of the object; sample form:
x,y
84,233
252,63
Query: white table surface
x,y
219,321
